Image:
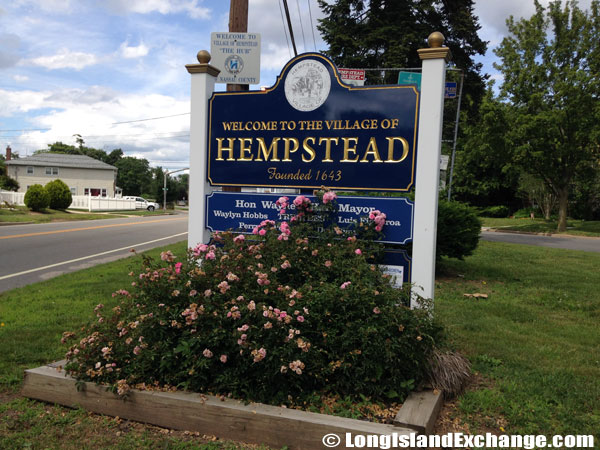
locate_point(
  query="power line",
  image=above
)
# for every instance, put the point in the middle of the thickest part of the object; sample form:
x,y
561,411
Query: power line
x,y
301,26
152,118
284,29
312,27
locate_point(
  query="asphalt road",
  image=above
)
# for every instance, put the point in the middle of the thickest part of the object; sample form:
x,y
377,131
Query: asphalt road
x,y
586,244
32,253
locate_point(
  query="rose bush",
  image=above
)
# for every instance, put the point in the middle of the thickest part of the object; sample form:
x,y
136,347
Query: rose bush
x,y
293,309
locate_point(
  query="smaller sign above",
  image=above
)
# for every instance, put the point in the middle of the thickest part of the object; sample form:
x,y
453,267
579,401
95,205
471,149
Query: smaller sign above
x,y
450,91
354,77
410,78
237,56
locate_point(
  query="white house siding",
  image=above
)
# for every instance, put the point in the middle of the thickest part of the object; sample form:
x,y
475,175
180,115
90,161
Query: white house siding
x,y
77,179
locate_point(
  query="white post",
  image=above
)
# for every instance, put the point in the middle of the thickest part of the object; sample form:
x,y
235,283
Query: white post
x,y
203,84
428,167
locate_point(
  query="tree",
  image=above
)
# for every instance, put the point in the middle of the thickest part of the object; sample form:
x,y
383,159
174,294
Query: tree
x,y
134,175
7,183
551,80
484,172
59,194
380,34
37,198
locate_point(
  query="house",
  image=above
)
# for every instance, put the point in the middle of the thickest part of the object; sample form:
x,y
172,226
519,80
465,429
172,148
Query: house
x,y
83,175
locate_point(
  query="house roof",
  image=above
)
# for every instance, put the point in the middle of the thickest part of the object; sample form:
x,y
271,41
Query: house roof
x,y
61,160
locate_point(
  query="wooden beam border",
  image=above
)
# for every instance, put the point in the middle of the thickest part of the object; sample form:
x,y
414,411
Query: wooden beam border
x,y
225,418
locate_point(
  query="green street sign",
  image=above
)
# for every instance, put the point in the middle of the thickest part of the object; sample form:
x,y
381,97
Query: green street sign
x,y
410,78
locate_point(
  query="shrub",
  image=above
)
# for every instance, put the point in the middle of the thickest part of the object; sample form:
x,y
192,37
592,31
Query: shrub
x,y
458,230
293,309
494,211
60,194
36,198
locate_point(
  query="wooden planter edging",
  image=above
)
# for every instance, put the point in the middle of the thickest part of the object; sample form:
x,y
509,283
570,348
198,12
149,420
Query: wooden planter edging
x,y
227,419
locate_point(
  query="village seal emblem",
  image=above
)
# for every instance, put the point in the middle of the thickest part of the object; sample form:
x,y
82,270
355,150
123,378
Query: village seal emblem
x,y
307,85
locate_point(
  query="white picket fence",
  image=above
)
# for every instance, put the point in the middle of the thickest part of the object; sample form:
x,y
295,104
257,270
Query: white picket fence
x,y
79,202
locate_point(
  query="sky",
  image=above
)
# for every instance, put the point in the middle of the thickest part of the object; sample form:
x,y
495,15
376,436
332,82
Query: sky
x,y
113,71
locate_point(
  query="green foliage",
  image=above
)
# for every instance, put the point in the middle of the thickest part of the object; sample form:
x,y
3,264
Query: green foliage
x,y
8,184
59,193
280,314
458,230
485,174
494,211
134,175
550,65
37,198
378,33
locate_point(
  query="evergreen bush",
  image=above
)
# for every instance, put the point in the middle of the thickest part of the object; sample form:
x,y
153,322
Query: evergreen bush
x,y
294,309
37,198
458,230
60,194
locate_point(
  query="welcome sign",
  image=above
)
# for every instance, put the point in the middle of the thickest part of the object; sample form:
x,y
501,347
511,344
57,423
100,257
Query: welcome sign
x,y
311,130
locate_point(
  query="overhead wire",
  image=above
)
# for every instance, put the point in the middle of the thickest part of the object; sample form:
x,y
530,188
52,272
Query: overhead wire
x,y
284,29
312,26
301,26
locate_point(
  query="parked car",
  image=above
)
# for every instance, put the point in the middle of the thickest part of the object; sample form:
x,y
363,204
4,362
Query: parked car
x,y
142,203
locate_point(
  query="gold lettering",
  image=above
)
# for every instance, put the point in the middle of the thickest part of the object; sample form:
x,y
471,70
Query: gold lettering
x,y
245,149
287,150
262,149
221,149
328,142
391,141
372,150
348,149
308,149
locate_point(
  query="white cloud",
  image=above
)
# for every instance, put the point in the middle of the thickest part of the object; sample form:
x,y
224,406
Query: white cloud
x,y
9,44
20,78
133,52
64,59
191,7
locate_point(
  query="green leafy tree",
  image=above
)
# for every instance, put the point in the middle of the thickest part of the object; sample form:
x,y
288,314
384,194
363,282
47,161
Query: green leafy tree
x,y
550,64
59,193
384,34
37,198
6,183
134,175
484,173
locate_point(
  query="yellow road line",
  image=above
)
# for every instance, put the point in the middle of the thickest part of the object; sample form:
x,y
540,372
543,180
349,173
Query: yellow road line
x,y
41,233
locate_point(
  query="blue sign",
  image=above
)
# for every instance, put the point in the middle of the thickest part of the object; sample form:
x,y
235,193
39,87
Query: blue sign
x,y
243,211
450,91
312,130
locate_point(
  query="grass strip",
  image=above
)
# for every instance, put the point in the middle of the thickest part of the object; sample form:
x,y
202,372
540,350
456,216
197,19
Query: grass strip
x,y
535,339
574,227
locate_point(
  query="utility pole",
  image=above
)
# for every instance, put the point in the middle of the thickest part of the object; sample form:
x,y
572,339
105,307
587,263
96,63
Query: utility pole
x,y
238,23
165,186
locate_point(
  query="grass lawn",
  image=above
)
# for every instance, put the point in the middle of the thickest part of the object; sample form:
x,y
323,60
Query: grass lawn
x,y
22,214
574,227
534,343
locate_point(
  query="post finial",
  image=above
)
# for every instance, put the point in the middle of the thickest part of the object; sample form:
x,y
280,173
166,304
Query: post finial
x,y
436,39
203,57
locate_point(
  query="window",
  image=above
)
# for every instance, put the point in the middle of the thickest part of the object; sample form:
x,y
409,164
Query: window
x,y
51,170
74,191
103,192
29,170
96,192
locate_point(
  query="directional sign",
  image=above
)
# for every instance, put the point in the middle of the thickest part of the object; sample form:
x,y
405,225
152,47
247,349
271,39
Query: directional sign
x,y
244,211
410,78
237,56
